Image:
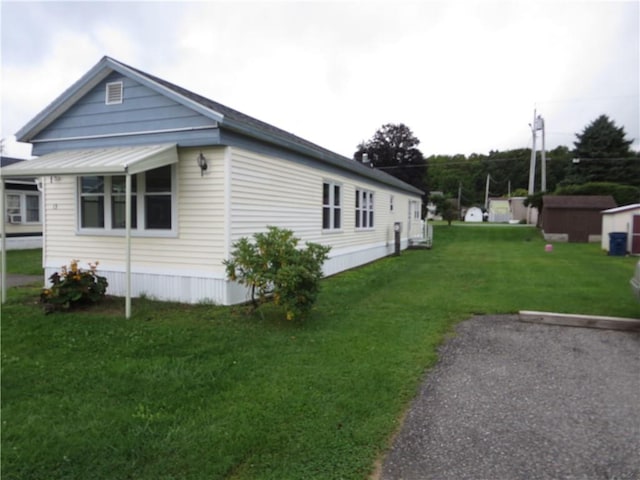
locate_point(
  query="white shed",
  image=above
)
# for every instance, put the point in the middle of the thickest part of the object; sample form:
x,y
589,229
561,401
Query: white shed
x,y
622,219
474,214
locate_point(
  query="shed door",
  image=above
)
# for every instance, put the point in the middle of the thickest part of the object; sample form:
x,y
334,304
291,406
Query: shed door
x,y
635,236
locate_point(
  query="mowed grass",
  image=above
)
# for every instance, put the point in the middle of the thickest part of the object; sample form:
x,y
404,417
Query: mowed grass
x,y
26,262
205,392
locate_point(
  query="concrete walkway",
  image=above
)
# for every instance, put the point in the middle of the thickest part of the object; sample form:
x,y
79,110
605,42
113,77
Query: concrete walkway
x,y
512,400
16,280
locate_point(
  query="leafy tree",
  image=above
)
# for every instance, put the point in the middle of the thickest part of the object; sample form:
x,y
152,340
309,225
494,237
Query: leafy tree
x,y
393,149
604,154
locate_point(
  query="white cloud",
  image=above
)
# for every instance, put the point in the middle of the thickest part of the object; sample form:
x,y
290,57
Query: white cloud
x,y
465,76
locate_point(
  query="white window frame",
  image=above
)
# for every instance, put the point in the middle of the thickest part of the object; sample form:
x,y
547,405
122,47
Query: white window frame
x,y
332,207
364,209
22,206
140,230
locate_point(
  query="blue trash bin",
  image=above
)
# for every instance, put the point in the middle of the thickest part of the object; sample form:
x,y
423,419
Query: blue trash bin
x,y
618,244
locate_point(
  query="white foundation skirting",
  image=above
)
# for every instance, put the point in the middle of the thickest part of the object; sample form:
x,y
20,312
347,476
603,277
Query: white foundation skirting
x,y
191,287
23,243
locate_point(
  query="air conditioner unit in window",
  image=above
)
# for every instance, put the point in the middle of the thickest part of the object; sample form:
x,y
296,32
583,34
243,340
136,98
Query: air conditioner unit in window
x,y
15,218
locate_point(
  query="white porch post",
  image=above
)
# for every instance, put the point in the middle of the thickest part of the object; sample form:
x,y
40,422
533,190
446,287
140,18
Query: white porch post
x,y
4,243
127,216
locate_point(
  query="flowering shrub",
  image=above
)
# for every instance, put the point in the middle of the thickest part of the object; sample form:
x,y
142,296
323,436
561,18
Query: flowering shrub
x,y
274,268
74,286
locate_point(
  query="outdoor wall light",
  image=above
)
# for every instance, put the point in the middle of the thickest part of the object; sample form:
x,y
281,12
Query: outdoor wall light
x,y
202,163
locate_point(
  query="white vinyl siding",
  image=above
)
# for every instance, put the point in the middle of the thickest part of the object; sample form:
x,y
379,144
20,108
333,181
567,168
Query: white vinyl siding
x,y
272,191
197,246
269,191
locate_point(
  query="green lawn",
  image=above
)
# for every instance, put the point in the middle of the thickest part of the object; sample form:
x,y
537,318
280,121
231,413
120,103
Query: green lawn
x,y
27,262
203,392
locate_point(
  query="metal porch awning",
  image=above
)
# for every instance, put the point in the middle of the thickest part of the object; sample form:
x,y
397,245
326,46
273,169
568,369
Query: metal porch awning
x,y
95,161
100,161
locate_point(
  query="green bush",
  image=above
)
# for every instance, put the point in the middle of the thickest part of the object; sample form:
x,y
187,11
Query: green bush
x,y
74,286
274,268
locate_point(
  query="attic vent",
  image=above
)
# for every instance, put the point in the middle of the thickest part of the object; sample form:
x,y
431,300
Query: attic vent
x,y
114,93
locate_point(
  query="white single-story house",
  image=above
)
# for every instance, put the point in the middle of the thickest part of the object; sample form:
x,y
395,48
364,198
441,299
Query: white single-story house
x,y
624,219
156,183
22,210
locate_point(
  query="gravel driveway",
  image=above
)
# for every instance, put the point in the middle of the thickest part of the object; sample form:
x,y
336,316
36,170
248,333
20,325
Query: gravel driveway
x,y
512,400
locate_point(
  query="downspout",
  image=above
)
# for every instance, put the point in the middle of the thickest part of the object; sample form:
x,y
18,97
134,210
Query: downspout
x,y
127,216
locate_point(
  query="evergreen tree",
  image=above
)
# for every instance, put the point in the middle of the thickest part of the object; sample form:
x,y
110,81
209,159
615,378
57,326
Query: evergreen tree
x,y
603,154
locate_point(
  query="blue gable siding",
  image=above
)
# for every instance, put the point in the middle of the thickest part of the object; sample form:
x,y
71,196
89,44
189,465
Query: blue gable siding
x,y
144,117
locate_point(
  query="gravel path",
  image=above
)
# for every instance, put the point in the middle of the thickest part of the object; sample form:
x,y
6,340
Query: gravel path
x,y
512,400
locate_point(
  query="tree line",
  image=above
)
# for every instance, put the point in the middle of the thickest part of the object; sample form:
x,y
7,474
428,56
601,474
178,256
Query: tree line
x,y
601,154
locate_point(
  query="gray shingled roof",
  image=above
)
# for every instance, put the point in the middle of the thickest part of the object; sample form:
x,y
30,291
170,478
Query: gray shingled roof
x,y
245,124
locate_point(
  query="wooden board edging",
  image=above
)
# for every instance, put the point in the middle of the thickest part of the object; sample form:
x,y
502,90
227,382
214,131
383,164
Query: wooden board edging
x,y
585,321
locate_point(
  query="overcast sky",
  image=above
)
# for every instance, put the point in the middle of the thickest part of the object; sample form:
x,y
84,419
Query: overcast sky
x,y
465,76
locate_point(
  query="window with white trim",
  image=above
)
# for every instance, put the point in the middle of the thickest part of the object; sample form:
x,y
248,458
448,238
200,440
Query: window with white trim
x,y
22,207
364,209
102,202
331,206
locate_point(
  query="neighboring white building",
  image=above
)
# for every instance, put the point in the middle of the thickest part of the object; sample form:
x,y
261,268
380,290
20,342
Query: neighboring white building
x,y
625,219
22,210
499,211
198,176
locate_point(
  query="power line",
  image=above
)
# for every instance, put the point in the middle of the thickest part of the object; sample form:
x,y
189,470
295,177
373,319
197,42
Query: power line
x,y
499,160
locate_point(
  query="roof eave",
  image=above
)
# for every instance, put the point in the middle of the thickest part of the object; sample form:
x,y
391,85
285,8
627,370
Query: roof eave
x,y
336,160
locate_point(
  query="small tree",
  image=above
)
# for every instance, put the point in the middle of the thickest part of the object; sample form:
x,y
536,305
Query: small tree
x,y
274,268
444,207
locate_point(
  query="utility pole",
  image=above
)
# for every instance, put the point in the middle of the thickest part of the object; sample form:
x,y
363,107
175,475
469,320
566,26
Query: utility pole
x,y
486,193
459,197
538,124
532,162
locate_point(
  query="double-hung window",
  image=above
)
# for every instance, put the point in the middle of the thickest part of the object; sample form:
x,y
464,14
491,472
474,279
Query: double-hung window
x,y
331,206
118,202
364,209
102,204
23,207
